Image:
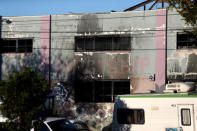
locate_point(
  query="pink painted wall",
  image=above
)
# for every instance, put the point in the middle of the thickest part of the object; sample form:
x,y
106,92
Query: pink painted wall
x,y
160,64
44,51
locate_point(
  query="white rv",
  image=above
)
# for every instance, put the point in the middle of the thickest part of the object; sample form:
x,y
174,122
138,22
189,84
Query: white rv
x,y
156,112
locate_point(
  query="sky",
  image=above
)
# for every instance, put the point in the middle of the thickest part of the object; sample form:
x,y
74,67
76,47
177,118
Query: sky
x,y
51,7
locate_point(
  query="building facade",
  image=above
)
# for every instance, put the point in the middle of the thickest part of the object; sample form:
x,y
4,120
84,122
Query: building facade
x,y
100,55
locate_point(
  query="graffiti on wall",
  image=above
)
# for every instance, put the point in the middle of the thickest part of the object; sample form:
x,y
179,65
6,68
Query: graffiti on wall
x,y
105,65
95,115
140,64
61,93
45,37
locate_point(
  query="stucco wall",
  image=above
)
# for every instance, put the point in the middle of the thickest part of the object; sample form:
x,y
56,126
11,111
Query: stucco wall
x,y
35,27
140,25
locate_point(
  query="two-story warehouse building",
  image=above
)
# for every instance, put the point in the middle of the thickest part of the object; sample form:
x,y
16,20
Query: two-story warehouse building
x,y
101,54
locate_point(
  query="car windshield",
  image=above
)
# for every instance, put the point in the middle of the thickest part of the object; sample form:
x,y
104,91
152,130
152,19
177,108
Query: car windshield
x,y
62,125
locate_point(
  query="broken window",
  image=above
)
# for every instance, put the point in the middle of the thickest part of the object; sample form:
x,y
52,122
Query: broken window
x,y
121,87
103,91
16,45
130,116
83,91
186,41
100,90
103,43
25,45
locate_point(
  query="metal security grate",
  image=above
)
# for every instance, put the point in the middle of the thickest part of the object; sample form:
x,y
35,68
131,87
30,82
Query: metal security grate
x,y
103,43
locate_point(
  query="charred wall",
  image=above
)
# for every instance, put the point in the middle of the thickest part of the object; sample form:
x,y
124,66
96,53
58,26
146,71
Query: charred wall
x,y
181,52
104,65
137,63
89,24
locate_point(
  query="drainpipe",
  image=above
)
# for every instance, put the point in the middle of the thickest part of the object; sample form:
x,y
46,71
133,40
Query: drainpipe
x,y
0,52
166,48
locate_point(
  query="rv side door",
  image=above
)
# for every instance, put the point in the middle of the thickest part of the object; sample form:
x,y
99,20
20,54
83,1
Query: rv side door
x,y
186,117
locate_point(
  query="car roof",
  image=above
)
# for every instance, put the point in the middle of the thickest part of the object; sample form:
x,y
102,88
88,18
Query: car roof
x,y
50,119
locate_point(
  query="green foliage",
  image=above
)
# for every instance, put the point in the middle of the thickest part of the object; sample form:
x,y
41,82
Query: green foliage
x,y
187,9
23,95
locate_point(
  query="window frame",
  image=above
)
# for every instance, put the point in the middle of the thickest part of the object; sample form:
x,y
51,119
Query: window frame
x,y
182,122
108,41
99,94
187,40
17,47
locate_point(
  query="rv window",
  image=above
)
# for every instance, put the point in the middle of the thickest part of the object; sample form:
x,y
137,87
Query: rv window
x,y
185,117
130,116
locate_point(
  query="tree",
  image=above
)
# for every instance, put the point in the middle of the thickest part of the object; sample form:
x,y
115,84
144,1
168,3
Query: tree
x,y
23,96
187,9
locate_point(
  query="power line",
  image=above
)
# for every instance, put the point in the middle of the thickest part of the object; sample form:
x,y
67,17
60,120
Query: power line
x,y
87,18
104,31
114,51
72,38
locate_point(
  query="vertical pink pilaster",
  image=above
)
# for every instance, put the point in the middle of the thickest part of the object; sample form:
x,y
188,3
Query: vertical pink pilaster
x,y
160,67
44,50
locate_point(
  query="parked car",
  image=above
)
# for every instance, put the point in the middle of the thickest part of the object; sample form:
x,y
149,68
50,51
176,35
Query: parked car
x,y
2,119
54,124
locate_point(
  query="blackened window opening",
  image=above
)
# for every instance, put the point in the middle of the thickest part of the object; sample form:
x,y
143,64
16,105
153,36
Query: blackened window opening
x,y
16,45
186,41
100,90
103,43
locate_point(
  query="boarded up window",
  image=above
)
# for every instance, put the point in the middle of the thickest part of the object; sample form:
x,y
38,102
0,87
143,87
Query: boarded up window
x,y
100,90
186,41
185,117
16,45
130,116
103,43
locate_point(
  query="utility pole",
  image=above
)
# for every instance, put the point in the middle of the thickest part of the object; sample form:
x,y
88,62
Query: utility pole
x,y
0,47
50,52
